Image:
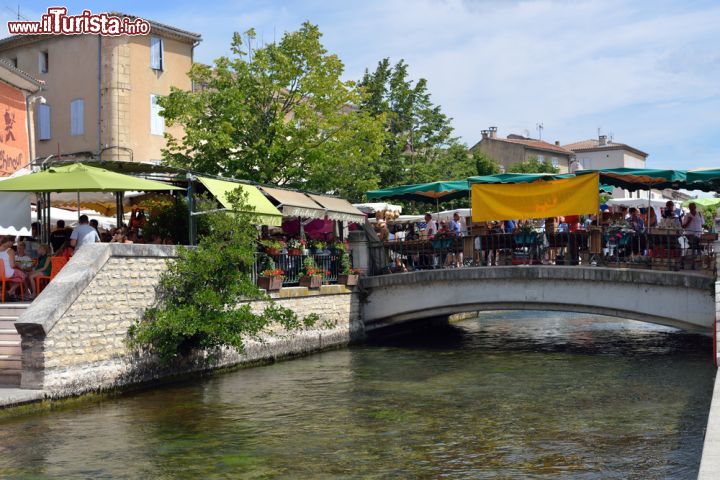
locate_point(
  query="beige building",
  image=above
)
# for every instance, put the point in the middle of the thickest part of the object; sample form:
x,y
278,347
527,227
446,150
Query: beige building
x,y
596,154
100,91
516,148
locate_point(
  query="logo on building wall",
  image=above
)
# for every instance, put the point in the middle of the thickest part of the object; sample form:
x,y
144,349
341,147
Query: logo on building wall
x,y
13,132
57,22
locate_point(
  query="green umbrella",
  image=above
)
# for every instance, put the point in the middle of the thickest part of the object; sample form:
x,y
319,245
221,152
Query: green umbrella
x,y
80,178
704,202
423,192
634,179
518,177
707,180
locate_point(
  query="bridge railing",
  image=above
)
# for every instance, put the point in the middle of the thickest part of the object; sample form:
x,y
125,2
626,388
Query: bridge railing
x,y
609,247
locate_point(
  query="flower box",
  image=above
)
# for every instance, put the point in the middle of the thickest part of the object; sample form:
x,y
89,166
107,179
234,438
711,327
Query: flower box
x,y
294,251
310,281
272,251
349,280
270,284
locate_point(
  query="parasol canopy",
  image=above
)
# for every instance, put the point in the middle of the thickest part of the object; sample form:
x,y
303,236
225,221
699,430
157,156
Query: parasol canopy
x,y
423,192
633,179
706,179
80,178
518,177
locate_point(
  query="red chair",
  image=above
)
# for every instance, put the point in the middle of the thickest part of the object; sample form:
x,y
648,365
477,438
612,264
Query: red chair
x,y
56,264
4,280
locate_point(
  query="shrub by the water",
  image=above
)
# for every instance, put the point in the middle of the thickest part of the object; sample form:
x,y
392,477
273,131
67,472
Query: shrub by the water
x,y
197,299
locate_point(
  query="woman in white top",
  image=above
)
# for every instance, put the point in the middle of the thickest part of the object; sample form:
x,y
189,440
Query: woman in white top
x,y
7,255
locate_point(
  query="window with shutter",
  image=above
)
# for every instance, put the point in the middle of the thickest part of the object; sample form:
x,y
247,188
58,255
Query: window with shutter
x,y
77,117
157,123
43,122
156,53
43,61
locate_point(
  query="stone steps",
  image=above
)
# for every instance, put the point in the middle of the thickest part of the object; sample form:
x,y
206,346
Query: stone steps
x,y
10,350
12,362
10,347
10,377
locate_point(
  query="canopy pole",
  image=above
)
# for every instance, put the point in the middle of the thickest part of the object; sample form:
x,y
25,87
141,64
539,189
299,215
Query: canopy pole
x,y
192,232
118,209
78,205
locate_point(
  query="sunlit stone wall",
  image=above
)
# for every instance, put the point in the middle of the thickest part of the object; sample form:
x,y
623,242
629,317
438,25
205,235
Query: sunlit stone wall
x,y
75,333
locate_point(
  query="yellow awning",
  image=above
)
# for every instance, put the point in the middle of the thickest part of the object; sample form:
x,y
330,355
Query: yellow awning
x,y
264,209
541,199
295,204
339,208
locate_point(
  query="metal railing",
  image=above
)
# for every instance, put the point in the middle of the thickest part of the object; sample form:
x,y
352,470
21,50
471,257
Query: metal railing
x,y
292,265
610,247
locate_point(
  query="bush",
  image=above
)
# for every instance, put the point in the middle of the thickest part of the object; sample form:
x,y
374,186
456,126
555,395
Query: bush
x,y
198,296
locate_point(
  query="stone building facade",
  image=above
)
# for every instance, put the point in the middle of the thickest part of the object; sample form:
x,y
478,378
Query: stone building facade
x,y
100,91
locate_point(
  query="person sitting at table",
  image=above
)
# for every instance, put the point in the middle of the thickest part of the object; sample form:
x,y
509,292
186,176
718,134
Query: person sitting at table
x,y
12,272
66,250
43,267
22,259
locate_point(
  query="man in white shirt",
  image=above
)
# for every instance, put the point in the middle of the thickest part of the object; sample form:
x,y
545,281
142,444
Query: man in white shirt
x,y
693,225
693,221
430,226
83,234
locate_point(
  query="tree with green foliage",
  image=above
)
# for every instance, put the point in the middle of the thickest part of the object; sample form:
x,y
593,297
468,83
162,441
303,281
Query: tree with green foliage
x,y
533,165
198,303
277,114
419,145
485,164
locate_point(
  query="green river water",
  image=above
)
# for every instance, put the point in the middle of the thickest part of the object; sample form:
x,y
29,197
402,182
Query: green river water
x,y
504,395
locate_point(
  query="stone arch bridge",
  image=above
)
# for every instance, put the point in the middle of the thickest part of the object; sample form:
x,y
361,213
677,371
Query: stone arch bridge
x,y
678,299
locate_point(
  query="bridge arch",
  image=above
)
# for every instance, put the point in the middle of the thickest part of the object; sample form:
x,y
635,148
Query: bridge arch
x,y
678,299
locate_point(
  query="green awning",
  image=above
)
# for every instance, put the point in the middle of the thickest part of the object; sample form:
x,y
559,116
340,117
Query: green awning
x,y
707,180
81,178
267,214
518,177
424,192
633,179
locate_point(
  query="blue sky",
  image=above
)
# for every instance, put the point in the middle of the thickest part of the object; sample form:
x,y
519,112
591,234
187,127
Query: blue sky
x,y
646,72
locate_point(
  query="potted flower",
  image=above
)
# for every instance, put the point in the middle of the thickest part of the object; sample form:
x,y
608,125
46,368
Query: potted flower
x,y
295,246
350,277
317,246
311,276
271,279
272,247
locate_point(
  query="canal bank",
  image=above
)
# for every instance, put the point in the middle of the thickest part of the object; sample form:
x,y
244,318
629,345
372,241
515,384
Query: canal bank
x,y
600,398
74,336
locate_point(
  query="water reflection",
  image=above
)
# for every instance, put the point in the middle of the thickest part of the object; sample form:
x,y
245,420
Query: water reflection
x,y
507,395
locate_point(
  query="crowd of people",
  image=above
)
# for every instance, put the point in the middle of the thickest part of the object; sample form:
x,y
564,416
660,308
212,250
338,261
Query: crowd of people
x,y
26,258
632,223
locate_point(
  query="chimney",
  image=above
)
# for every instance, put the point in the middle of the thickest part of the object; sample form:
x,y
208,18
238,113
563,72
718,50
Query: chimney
x,y
492,132
557,143
484,134
602,140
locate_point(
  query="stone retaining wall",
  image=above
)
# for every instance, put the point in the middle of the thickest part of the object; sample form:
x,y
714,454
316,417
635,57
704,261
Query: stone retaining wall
x,y
74,334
